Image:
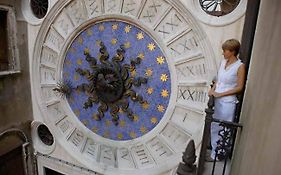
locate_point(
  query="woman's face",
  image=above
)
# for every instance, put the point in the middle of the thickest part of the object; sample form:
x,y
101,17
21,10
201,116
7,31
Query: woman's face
x,y
227,54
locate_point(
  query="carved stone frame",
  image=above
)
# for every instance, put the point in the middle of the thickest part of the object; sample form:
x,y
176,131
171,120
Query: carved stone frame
x,y
227,19
46,27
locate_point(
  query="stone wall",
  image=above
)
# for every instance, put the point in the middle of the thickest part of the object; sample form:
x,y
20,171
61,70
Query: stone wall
x,y
258,147
15,93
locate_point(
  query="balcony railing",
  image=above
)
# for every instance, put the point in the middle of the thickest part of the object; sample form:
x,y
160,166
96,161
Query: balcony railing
x,y
223,150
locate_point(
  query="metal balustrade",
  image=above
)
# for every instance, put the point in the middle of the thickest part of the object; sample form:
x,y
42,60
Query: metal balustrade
x,y
223,150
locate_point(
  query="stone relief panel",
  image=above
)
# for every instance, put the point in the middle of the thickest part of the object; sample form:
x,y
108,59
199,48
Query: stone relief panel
x,y
132,7
153,10
171,25
94,7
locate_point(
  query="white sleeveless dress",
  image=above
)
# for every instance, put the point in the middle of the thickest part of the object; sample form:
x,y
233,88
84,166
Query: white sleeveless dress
x,y
224,106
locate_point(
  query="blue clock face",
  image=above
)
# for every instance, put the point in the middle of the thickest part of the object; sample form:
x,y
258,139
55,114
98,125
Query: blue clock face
x,y
120,80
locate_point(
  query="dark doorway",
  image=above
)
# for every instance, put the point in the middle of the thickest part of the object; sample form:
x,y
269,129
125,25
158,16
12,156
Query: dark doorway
x,y
11,163
51,172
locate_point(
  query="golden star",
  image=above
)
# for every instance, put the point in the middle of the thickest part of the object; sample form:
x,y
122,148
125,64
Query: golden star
x,y
89,32
164,93
86,50
127,45
148,72
133,134
140,36
95,129
114,26
85,122
145,105
106,134
149,90
153,120
164,77
95,117
160,108
107,123
113,41
80,40
76,77
77,112
79,61
133,72
151,46
128,28
101,28
160,60
98,42
119,136
141,56
143,129
136,118
122,123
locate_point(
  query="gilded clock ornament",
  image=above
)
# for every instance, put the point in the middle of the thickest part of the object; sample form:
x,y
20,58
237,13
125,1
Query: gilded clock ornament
x,y
110,83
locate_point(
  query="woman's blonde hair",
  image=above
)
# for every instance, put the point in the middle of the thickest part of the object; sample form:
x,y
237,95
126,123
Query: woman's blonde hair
x,y
231,45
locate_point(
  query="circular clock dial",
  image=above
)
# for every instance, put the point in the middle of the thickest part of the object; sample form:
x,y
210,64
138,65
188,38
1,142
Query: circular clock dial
x,y
120,79
135,75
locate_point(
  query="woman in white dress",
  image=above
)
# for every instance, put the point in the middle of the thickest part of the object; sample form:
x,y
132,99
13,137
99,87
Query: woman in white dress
x,y
230,82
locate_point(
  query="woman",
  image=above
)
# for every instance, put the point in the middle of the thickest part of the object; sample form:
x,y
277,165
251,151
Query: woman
x,y
230,81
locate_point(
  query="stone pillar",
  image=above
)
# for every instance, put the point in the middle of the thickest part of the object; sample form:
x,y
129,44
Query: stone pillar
x,y
258,145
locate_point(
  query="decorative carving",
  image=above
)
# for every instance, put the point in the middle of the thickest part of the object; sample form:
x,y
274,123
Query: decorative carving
x,y
224,144
64,88
189,157
110,83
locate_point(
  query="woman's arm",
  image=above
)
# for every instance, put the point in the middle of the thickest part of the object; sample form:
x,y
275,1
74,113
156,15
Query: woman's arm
x,y
241,73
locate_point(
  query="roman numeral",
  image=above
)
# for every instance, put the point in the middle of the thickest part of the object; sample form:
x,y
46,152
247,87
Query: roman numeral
x,y
192,95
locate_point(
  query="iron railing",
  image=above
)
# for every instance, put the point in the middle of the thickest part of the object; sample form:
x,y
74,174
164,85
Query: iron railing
x,y
224,144
223,150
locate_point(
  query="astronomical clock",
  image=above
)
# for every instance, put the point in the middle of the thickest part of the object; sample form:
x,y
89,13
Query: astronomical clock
x,y
122,84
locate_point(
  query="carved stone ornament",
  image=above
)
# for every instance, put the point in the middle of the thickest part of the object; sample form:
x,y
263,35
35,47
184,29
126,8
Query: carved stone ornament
x,y
188,158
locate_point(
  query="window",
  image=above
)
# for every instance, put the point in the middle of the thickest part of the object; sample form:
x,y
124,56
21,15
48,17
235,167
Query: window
x,y
9,61
219,7
4,63
39,8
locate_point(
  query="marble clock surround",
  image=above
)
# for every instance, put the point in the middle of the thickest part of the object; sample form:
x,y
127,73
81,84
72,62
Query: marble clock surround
x,y
191,69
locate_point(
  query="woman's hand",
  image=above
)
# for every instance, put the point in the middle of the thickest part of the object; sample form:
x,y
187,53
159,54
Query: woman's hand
x,y
216,94
211,92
